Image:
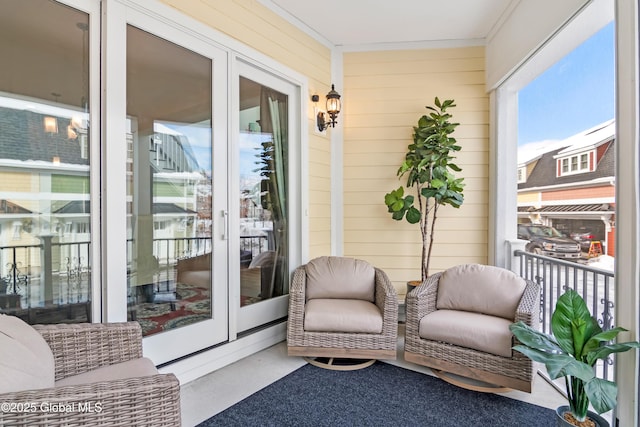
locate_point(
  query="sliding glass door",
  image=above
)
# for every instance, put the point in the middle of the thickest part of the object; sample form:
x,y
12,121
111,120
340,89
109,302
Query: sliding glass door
x,y
267,193
146,174
176,247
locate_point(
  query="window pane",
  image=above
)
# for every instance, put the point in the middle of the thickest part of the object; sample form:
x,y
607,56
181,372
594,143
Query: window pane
x,y
169,183
584,161
574,163
565,165
264,239
45,234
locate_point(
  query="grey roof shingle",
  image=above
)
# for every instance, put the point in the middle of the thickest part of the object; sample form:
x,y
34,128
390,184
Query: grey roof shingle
x,y
22,137
544,172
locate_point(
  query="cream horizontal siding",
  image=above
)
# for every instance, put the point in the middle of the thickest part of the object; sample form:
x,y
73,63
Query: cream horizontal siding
x,y
385,95
533,197
256,26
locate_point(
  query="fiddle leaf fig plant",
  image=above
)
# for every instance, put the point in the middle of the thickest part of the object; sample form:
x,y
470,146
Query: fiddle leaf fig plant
x,y
429,169
577,343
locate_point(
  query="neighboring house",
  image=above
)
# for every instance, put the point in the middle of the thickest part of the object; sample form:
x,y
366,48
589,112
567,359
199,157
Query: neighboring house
x,y
573,188
59,168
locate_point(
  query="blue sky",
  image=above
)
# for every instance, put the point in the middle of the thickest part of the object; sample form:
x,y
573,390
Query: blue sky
x,y
575,94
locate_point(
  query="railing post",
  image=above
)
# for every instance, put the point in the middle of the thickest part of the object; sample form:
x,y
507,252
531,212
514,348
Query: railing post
x,y
514,260
47,268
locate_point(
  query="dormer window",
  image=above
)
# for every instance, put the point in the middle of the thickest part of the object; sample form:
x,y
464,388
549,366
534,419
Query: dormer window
x,y
522,175
578,163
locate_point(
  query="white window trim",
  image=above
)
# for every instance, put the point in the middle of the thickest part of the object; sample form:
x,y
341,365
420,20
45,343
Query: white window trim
x,y
503,123
591,154
627,214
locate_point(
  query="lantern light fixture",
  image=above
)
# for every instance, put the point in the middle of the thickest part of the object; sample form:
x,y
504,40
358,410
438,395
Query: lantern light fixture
x,y
333,109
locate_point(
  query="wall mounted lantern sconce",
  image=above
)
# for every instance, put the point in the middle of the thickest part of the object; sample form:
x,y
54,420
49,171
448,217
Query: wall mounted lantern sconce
x,y
333,108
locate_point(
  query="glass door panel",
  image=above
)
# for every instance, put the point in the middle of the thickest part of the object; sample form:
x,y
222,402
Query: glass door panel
x,y
45,204
267,216
264,237
169,185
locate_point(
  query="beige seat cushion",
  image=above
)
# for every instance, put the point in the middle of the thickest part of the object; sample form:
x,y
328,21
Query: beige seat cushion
x,y
141,367
341,278
26,361
489,334
480,289
338,315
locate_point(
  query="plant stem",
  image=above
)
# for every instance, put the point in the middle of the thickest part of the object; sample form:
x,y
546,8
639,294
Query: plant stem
x,y
424,211
432,233
578,399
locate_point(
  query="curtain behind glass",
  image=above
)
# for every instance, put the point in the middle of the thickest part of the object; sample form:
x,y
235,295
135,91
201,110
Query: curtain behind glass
x,y
274,120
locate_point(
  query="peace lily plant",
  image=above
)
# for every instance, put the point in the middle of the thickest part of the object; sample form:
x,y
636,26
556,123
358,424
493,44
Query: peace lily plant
x,y
428,167
577,343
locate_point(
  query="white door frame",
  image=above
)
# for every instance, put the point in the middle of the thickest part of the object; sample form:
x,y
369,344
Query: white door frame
x,y
169,345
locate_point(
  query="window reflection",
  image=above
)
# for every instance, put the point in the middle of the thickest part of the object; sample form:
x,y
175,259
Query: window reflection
x,y
264,241
45,234
169,189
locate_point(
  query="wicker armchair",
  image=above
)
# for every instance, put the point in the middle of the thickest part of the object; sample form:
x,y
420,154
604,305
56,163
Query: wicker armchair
x,y
356,295
490,298
152,400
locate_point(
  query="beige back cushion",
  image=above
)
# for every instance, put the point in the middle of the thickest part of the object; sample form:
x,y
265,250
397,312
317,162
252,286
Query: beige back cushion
x,y
26,361
480,289
339,277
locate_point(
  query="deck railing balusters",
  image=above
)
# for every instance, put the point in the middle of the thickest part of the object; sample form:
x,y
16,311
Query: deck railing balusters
x,y
593,284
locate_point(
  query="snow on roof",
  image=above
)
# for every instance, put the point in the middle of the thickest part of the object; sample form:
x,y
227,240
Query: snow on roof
x,y
581,141
534,150
590,138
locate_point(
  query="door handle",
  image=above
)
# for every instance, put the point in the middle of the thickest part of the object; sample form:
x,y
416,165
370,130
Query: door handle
x,y
225,228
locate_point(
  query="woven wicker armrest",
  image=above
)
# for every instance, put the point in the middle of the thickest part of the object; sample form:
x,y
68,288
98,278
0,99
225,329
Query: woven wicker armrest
x,y
418,303
386,300
422,299
82,347
528,310
296,302
150,401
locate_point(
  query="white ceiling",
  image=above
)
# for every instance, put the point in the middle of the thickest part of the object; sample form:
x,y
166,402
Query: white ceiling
x,y
366,22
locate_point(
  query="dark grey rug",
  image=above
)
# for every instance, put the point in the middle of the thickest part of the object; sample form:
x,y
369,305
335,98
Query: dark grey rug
x,y
380,395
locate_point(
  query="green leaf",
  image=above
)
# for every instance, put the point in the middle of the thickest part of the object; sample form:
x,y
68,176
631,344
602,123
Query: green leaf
x,y
448,103
437,183
413,215
602,394
534,338
390,199
398,205
398,215
563,364
428,192
408,201
393,196
571,323
557,364
603,352
603,337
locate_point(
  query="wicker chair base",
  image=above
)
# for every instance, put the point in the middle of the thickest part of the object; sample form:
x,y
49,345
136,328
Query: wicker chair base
x,y
469,383
339,363
469,372
344,353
